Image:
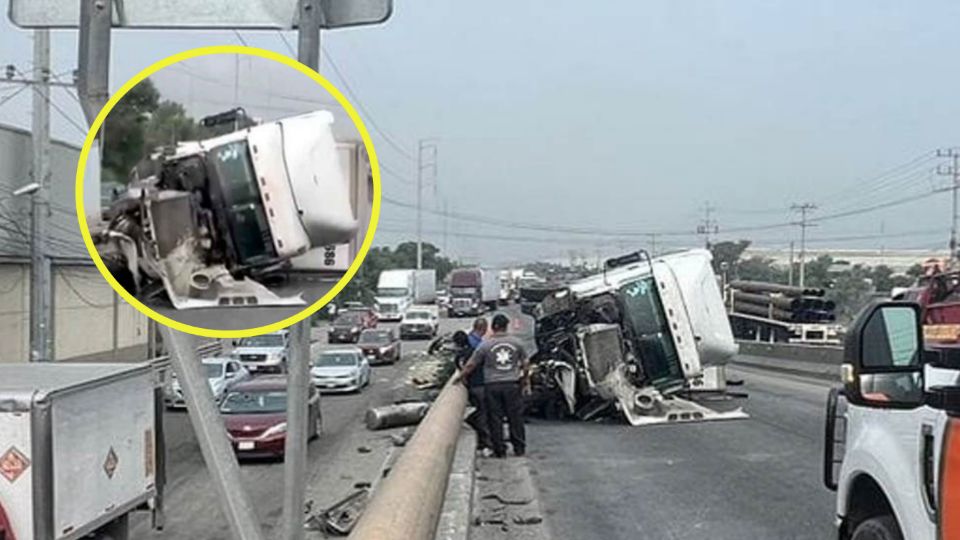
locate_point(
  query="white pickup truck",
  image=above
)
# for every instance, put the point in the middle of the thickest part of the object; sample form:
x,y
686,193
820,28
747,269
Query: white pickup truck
x,y
80,448
892,434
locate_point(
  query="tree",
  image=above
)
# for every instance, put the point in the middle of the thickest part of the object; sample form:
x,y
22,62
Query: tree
x,y
124,131
760,269
169,124
363,286
728,252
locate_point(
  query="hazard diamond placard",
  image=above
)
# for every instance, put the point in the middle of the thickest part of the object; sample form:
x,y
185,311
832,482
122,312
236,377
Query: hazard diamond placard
x,y
13,463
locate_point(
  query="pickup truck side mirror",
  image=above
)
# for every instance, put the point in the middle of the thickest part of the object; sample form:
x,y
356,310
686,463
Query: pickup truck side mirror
x,y
882,357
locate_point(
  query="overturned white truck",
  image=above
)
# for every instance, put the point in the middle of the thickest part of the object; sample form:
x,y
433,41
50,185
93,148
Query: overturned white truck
x,y
215,215
634,338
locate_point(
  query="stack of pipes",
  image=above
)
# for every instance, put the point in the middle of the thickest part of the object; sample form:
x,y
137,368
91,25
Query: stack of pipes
x,y
780,302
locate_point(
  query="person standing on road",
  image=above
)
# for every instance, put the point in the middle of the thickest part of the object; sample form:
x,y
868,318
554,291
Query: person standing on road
x,y
474,383
477,332
505,367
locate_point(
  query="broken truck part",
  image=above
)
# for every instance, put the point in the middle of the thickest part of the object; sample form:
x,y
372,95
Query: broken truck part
x,y
633,338
214,217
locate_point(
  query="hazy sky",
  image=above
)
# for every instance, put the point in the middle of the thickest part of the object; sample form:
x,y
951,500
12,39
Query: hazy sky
x,y
625,116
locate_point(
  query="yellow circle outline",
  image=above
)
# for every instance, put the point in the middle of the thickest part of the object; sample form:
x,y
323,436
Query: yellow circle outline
x,y
206,51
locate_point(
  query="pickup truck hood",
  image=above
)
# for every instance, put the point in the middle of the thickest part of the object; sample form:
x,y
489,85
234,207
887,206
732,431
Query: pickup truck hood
x,y
270,351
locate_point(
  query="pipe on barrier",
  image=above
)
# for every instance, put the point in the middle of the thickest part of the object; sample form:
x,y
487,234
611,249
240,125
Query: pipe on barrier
x,y
408,502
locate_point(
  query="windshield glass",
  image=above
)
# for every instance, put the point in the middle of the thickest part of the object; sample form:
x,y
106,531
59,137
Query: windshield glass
x,y
214,371
255,402
268,340
463,291
244,208
392,291
647,327
375,336
336,359
348,319
417,315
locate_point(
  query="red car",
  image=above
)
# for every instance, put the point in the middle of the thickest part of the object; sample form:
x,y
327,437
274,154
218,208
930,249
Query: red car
x,y
380,346
255,415
347,326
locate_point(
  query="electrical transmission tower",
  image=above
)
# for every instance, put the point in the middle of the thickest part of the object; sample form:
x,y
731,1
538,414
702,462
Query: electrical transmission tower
x,y
953,171
709,225
804,209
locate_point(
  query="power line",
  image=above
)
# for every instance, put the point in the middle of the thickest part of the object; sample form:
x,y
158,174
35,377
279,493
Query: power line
x,y
356,100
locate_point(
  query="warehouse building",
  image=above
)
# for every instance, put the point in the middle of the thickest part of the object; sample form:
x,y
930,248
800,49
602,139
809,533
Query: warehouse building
x,y
89,319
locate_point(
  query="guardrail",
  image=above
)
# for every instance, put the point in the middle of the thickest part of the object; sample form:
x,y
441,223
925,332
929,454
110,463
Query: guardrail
x,y
819,361
408,503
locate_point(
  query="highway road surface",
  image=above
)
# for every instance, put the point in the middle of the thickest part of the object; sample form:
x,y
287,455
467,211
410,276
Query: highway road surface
x,y
757,478
346,455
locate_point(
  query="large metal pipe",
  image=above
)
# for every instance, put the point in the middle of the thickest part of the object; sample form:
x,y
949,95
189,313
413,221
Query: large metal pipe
x,y
781,302
786,290
407,504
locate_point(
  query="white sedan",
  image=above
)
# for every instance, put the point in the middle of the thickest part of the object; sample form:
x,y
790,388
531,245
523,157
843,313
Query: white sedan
x,y
222,373
343,369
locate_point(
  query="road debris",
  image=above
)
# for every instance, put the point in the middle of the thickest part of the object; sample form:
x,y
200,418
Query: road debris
x,y
340,518
401,414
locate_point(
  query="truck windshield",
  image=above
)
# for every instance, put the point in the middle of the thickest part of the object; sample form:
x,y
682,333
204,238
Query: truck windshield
x,y
417,315
393,291
244,209
463,291
647,327
268,340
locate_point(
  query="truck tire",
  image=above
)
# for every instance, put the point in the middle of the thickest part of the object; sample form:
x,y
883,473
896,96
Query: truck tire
x,y
878,528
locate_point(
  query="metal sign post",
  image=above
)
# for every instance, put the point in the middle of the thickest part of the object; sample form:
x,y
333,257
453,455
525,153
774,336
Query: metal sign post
x,y
295,458
93,56
211,436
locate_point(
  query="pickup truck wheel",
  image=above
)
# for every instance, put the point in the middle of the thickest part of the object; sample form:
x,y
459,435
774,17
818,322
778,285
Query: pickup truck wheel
x,y
878,528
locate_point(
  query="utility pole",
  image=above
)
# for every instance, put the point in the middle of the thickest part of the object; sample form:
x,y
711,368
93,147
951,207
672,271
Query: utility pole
x,y
709,225
804,209
953,171
790,267
40,320
422,146
446,219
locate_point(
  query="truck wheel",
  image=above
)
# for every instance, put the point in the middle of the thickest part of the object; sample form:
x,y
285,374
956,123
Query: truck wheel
x,y
878,528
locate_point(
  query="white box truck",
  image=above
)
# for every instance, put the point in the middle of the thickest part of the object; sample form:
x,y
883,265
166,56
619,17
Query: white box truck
x,y
473,291
80,448
399,289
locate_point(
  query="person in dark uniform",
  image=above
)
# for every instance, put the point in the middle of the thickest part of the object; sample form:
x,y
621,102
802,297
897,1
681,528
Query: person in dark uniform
x,y
475,393
505,368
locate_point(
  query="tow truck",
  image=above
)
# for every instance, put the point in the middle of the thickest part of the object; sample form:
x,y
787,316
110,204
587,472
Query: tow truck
x,y
892,431
207,221
639,338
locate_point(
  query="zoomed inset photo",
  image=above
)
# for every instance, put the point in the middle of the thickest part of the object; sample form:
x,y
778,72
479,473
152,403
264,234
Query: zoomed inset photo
x,y
236,192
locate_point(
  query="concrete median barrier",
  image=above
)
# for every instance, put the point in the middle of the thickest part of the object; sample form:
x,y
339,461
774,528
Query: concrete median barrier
x,y
819,361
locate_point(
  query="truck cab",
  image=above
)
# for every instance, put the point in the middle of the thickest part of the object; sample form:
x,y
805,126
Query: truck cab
x,y
394,294
892,433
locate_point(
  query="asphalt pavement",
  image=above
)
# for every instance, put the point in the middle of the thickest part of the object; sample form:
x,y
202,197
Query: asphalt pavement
x,y
345,456
757,478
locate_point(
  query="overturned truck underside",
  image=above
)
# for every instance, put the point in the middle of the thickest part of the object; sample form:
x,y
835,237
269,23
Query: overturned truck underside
x,y
212,219
632,340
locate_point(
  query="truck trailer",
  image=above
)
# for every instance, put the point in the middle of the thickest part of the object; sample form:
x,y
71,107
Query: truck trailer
x,y
81,447
399,289
473,291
